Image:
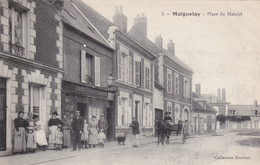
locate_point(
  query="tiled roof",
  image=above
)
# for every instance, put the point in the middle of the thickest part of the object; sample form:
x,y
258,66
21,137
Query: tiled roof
x,y
242,110
208,98
72,17
99,21
176,60
197,106
144,41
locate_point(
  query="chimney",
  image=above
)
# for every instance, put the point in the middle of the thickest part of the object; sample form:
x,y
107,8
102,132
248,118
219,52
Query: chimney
x,y
224,94
197,89
219,93
255,103
140,24
120,19
159,41
171,47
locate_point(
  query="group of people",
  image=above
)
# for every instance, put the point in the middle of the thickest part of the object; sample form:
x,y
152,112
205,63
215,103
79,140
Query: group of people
x,y
30,133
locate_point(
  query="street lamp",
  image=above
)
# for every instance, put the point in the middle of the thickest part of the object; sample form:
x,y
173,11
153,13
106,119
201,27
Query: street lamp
x,y
110,80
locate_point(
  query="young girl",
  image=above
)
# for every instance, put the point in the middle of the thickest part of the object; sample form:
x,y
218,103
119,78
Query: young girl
x,y
59,137
84,135
31,141
101,138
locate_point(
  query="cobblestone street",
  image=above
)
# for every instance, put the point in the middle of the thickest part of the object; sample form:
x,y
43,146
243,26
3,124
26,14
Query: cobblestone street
x,y
221,149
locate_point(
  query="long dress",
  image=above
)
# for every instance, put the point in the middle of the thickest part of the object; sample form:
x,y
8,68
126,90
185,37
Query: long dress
x,y
93,133
31,141
66,133
53,125
40,134
84,135
20,135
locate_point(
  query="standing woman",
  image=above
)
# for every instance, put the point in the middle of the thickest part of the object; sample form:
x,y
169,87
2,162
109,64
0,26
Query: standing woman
x,y
40,132
66,131
93,132
54,122
20,133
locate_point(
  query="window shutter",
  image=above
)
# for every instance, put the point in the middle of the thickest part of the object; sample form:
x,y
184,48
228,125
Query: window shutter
x,y
119,112
130,68
83,66
137,73
97,71
119,65
151,114
130,111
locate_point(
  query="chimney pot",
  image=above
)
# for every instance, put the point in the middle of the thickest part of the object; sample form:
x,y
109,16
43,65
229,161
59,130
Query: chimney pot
x,y
224,94
159,41
171,47
140,24
120,19
120,10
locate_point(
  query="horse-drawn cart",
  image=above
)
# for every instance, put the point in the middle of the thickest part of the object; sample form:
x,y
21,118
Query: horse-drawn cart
x,y
167,128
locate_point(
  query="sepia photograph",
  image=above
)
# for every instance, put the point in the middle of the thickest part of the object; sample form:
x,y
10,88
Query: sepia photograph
x,y
122,82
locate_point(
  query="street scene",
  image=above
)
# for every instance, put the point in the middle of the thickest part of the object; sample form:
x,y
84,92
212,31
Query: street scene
x,y
224,148
123,82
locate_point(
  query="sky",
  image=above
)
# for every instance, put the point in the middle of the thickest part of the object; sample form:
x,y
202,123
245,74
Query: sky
x,y
223,51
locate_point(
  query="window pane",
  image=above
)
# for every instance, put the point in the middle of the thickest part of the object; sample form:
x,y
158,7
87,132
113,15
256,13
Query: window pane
x,y
36,100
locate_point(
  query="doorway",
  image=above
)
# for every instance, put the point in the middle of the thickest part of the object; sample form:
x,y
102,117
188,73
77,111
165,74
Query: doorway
x,y
83,111
2,114
111,124
159,115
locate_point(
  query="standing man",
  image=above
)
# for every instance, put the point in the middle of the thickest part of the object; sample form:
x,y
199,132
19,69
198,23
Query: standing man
x,y
77,128
135,131
102,124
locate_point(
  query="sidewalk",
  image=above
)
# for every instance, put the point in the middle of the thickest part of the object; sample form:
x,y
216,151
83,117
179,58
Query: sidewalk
x,y
52,155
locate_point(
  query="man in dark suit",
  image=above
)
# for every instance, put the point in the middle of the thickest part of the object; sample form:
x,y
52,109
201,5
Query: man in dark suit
x,y
135,131
77,128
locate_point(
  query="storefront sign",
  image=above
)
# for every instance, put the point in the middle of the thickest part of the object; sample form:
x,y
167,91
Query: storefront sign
x,y
83,89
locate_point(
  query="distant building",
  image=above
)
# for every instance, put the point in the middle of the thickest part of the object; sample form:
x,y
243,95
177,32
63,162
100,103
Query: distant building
x,y
219,103
203,115
243,111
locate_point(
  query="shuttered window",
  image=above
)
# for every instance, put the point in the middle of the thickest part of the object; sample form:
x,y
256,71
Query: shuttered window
x,y
130,70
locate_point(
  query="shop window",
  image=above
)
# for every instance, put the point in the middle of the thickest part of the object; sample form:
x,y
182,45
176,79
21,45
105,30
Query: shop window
x,y
18,30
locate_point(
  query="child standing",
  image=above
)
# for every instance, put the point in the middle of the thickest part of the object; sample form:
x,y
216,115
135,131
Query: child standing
x,y
59,137
84,135
101,138
31,141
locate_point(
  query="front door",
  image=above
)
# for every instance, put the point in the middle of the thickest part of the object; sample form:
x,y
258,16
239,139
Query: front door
x,y
2,114
209,124
111,124
82,109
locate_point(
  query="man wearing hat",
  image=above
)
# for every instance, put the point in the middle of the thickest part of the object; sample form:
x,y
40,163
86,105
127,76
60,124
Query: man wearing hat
x,y
167,116
102,123
77,128
135,131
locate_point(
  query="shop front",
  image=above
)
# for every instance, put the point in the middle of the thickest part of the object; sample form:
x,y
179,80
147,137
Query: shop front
x,y
90,102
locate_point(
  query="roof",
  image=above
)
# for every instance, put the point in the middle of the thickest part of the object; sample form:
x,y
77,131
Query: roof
x,y
100,22
72,17
208,98
198,107
242,110
176,60
144,41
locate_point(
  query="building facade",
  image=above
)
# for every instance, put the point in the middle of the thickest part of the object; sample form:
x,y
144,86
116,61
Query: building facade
x,y
247,116
219,103
31,63
88,60
203,116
